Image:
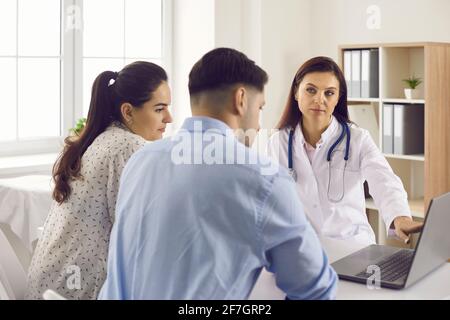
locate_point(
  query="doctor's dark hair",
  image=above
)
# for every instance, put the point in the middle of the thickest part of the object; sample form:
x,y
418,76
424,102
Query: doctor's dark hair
x,y
222,68
291,115
134,84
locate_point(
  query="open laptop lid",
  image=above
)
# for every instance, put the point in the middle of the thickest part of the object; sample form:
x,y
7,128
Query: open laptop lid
x,y
433,247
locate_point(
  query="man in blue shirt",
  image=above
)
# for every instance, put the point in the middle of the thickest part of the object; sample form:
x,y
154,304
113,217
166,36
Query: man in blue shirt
x,y
199,215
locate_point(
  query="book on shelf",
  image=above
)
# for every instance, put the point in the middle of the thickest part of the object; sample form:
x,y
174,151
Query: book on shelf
x,y
356,74
388,128
369,73
408,129
403,129
348,71
361,72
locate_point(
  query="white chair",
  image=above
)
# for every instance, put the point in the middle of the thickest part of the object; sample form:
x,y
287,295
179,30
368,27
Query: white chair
x,y
40,230
4,295
20,249
50,294
14,274
6,292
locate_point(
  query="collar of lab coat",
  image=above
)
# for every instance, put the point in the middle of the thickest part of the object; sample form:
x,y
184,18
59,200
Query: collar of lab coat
x,y
324,138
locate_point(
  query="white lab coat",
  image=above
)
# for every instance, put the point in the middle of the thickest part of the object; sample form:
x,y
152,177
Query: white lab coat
x,y
346,219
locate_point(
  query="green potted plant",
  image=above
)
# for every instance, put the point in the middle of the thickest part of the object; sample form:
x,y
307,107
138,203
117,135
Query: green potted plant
x,y
79,126
412,83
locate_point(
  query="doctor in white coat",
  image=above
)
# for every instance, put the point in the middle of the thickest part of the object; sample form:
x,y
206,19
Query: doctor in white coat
x,y
331,158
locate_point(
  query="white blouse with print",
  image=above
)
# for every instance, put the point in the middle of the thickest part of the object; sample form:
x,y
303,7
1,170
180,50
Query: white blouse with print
x,y
71,255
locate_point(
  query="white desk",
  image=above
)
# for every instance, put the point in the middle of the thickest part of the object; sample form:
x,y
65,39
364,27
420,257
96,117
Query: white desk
x,y
435,285
24,205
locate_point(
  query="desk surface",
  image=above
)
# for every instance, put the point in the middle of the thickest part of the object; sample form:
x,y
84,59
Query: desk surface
x,y
434,286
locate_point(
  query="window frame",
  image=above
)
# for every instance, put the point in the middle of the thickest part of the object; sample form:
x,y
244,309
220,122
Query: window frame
x,y
71,78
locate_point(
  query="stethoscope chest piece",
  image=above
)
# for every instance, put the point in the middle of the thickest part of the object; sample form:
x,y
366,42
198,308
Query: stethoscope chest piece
x,y
293,174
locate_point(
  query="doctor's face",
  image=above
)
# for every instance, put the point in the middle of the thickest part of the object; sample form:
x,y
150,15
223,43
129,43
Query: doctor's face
x,y
317,96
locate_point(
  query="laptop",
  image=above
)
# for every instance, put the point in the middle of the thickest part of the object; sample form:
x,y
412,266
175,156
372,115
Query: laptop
x,y
399,268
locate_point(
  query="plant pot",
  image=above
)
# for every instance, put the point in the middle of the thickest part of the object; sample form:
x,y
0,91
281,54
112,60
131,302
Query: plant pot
x,y
411,93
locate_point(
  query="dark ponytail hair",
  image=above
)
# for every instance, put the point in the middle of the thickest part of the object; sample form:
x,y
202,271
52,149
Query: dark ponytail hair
x,y
134,84
291,115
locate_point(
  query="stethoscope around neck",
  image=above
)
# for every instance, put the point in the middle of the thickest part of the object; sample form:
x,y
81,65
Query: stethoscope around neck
x,y
345,132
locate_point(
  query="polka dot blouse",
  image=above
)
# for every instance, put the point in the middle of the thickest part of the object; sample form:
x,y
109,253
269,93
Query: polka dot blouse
x,y
71,255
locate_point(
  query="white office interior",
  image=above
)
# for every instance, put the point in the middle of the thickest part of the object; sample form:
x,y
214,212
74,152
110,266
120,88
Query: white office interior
x,y
51,61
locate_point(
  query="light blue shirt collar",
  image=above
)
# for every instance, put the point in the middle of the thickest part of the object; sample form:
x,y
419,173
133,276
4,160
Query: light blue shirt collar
x,y
202,124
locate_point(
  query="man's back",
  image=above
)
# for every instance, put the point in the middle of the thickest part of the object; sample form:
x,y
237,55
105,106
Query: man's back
x,y
190,229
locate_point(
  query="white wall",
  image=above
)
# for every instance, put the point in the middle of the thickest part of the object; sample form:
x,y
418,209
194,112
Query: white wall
x,y
228,27
201,25
238,26
344,22
294,31
193,36
281,34
286,26
273,33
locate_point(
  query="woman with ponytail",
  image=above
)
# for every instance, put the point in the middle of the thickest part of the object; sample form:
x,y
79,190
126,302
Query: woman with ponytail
x,y
127,109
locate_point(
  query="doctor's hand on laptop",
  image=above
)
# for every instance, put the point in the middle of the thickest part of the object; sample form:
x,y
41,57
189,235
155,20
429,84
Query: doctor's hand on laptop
x,y
405,226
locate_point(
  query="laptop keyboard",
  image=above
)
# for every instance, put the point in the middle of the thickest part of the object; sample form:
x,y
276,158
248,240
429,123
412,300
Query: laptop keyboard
x,y
393,267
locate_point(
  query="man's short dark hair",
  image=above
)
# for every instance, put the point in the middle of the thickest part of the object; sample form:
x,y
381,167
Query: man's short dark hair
x,y
222,68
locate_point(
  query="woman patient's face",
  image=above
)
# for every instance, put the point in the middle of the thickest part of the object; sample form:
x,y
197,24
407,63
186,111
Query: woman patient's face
x,y
318,95
151,119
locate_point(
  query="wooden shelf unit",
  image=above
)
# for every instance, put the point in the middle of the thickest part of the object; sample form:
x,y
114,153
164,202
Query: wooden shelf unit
x,y
426,175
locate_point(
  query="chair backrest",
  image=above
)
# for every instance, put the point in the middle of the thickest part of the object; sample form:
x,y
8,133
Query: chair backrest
x,y
6,292
50,294
4,295
12,268
19,247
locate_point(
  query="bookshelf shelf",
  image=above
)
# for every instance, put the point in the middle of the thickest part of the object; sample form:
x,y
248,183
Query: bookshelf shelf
x,y
426,175
413,157
398,63
404,101
368,100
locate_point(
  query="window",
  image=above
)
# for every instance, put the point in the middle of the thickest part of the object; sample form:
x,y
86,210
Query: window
x,y
30,59
132,30
51,52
